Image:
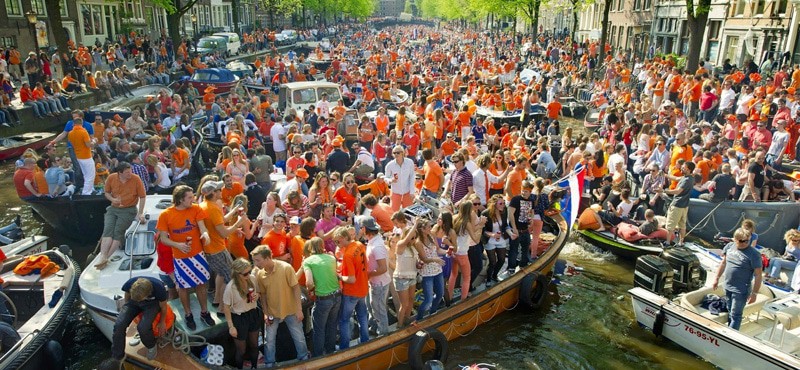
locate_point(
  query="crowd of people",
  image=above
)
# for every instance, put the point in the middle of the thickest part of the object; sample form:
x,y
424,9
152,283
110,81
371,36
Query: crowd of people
x,y
337,230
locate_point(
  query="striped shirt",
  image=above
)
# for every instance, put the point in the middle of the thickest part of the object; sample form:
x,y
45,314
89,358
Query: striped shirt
x,y
141,171
462,181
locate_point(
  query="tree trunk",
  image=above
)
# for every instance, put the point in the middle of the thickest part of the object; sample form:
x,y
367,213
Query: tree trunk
x,y
696,21
603,35
535,22
56,25
574,21
173,28
235,10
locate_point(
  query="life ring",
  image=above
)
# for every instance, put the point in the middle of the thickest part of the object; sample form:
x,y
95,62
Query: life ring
x,y
167,323
417,347
532,295
658,324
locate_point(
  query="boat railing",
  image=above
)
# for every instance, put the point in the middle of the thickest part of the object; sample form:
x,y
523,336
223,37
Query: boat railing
x,y
12,351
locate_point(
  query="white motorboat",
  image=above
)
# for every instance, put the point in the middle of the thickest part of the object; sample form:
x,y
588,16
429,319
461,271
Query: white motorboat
x,y
39,325
101,289
769,336
26,246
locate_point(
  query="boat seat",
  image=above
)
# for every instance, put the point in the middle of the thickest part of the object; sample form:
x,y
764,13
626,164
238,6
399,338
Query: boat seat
x,y
692,301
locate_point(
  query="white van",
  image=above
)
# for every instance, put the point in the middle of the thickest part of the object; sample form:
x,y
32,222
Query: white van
x,y
234,41
301,95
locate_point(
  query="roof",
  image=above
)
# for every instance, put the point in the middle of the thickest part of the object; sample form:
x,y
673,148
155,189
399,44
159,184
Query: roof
x,y
307,84
224,74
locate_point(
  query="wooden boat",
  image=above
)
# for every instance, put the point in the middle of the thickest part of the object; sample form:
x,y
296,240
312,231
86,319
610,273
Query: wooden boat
x,y
220,78
528,286
593,119
12,147
123,106
613,243
39,325
79,216
772,219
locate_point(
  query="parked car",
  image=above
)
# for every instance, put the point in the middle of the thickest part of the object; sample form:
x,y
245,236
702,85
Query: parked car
x,y
289,37
211,45
232,42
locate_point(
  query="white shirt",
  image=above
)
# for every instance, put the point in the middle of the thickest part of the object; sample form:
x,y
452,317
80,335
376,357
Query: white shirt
x,y
287,188
405,176
376,250
323,108
743,106
366,158
727,97
612,162
278,144
479,184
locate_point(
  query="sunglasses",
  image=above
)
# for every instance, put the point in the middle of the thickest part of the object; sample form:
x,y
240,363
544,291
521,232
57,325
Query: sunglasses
x,y
742,240
349,182
396,153
247,273
796,240
476,204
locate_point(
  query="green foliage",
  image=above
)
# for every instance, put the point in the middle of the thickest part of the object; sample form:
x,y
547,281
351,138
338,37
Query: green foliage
x,y
169,5
281,7
677,59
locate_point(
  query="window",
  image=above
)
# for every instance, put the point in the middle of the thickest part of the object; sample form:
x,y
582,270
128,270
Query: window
x,y
13,7
637,4
8,41
92,16
685,40
760,5
38,7
620,3
64,9
646,5
629,39
739,9
732,48
780,7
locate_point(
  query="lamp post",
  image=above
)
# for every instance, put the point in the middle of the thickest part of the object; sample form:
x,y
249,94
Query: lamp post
x,y
31,17
194,24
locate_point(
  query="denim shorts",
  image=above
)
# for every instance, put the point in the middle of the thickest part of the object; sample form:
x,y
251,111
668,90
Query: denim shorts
x,y
168,281
401,284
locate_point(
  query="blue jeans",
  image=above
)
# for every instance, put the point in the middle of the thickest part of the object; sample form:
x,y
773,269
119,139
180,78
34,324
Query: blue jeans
x,y
350,304
519,248
298,336
777,263
433,291
377,307
736,303
324,318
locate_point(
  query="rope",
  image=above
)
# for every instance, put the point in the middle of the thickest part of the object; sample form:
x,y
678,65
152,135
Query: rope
x,y
735,225
705,218
181,340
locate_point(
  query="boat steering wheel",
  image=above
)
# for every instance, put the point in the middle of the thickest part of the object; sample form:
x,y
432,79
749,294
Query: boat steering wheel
x,y
12,310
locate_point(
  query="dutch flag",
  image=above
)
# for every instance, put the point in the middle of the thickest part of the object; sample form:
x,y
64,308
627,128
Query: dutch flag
x,y
572,200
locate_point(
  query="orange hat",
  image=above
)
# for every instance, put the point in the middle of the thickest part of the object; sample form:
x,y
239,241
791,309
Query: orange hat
x,y
732,117
301,173
755,117
117,117
337,141
210,89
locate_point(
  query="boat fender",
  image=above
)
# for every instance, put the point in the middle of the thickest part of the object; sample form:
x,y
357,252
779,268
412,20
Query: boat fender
x,y
54,354
533,289
417,347
658,324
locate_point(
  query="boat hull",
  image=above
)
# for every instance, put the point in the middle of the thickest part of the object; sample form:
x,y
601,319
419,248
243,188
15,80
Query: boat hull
x,y
619,246
460,319
30,140
772,219
78,217
713,341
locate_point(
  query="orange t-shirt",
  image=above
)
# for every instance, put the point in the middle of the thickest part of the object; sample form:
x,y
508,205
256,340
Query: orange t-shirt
x,y
432,172
449,147
514,181
236,242
382,123
129,192
180,224
354,263
215,217
278,242
704,166
229,194
553,109
78,137
341,196
180,157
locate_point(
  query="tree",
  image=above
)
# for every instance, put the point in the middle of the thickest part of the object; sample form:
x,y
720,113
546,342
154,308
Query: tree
x,y
175,11
235,11
604,33
696,19
56,26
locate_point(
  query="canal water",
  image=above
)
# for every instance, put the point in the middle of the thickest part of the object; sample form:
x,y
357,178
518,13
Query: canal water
x,y
586,322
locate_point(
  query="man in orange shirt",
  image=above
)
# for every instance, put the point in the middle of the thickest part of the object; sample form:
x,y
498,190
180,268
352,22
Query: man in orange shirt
x,y
230,190
277,240
675,85
516,177
125,191
82,144
449,146
180,162
182,227
355,286
219,260
554,109
434,176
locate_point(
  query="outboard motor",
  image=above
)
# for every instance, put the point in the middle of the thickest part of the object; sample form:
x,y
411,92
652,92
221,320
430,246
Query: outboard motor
x,y
688,274
654,274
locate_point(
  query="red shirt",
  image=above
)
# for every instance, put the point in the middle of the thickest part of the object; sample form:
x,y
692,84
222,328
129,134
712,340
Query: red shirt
x,y
707,100
20,175
412,142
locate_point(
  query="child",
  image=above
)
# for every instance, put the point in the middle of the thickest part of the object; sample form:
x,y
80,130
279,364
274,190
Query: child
x,y
650,225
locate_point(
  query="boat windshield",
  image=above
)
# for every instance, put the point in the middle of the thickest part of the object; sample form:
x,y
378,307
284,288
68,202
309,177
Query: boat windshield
x,y
207,44
333,93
